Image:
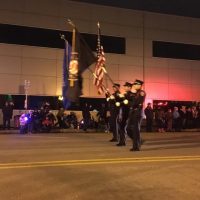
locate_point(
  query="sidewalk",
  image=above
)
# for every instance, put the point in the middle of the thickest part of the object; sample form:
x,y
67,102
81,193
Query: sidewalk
x,y
56,130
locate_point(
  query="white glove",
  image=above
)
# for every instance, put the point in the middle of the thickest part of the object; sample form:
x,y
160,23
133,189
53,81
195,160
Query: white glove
x,y
112,97
117,104
121,95
125,101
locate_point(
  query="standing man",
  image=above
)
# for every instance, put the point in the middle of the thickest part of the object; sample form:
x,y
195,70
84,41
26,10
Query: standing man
x,y
169,119
183,117
176,120
124,112
135,115
149,117
7,114
114,111
86,116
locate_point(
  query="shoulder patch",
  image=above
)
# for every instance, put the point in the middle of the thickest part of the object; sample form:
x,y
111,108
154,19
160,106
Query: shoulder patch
x,y
142,93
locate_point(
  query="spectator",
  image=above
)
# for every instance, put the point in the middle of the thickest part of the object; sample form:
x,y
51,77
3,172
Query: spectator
x,y
35,121
194,117
71,121
30,121
176,120
102,117
169,119
60,116
198,117
149,117
189,118
7,114
183,116
23,120
160,120
48,122
86,116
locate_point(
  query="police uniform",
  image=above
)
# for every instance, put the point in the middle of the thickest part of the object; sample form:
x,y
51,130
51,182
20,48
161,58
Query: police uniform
x,y
135,116
114,111
123,114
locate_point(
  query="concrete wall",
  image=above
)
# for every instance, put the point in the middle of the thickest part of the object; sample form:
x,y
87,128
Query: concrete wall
x,y
172,79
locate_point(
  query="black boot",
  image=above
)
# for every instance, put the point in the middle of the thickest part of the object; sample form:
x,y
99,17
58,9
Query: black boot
x,y
113,140
120,144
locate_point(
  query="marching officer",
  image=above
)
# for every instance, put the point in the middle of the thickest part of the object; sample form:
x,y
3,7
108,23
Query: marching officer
x,y
114,111
124,112
135,115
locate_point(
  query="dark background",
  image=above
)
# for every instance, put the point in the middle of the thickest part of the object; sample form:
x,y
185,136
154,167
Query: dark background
x,y
23,35
189,8
35,102
176,50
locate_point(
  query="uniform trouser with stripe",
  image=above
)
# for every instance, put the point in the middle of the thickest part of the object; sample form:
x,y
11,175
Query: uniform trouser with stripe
x,y
121,130
133,127
113,125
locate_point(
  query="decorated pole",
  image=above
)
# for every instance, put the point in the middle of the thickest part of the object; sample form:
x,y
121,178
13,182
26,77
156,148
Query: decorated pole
x,y
26,88
98,40
73,65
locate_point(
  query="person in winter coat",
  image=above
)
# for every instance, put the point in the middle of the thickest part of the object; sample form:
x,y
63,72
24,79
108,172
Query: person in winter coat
x,y
7,114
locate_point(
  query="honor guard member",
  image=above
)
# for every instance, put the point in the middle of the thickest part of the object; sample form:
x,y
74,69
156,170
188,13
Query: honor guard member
x,y
114,111
124,112
135,115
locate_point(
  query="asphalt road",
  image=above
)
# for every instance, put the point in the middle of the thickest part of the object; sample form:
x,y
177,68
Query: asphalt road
x,y
82,166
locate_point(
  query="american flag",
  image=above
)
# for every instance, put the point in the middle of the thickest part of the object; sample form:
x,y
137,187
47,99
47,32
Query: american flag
x,y
100,64
100,71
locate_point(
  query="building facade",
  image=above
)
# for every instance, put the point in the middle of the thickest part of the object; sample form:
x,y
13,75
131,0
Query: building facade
x,y
165,78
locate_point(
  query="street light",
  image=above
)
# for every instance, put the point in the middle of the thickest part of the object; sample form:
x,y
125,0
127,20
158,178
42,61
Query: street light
x,y
27,84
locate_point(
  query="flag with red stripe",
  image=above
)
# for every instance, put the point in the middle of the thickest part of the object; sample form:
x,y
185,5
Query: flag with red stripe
x,y
100,70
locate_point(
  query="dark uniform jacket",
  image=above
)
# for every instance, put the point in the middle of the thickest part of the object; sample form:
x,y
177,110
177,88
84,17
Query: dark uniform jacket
x,y
114,110
125,106
138,100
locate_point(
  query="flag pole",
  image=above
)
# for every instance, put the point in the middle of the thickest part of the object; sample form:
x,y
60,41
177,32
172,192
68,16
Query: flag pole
x,y
105,88
66,60
73,68
62,37
109,78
